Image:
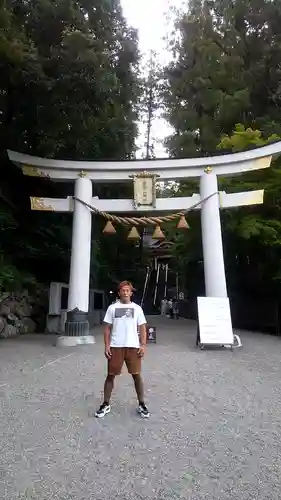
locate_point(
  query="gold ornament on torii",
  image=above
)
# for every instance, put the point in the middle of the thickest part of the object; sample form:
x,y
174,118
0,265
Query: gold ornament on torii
x,y
38,204
208,170
31,171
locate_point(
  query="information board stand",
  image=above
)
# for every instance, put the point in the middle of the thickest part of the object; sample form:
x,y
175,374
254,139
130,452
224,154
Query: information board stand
x,y
214,323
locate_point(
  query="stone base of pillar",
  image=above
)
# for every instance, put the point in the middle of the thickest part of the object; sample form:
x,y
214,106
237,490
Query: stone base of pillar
x,y
77,330
64,341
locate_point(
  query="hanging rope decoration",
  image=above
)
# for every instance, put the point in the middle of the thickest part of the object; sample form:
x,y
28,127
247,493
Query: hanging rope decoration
x,y
143,221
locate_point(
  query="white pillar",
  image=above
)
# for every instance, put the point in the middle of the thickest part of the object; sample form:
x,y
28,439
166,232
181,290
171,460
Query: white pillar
x,y
215,281
78,295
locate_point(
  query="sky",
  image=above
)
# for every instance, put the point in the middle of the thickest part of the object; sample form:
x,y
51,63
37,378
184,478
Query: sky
x,y
149,17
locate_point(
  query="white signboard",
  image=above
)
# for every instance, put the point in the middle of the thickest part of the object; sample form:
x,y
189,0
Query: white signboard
x,y
215,321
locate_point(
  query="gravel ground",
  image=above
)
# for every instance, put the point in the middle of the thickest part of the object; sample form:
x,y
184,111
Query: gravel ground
x,y
214,431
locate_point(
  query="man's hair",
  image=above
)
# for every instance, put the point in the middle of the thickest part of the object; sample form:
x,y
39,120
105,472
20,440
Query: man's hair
x,y
125,283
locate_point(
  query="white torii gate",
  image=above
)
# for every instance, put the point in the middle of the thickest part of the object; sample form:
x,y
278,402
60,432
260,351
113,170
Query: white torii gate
x,y
83,173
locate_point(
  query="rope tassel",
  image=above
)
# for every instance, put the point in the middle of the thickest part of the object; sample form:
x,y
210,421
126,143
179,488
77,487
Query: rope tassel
x,y
133,234
109,228
158,234
183,224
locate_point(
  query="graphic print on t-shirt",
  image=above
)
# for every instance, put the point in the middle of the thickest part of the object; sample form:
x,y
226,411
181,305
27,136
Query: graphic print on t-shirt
x,y
124,320
122,312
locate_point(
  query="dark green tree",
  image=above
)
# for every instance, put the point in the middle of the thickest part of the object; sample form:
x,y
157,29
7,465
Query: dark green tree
x,y
225,72
69,89
151,85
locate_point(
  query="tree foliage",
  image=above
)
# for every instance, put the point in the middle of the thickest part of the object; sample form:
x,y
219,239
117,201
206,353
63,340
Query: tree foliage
x,y
225,71
69,89
256,231
150,104
223,95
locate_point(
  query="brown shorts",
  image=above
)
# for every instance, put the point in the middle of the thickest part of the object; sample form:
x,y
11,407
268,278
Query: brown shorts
x,y
129,355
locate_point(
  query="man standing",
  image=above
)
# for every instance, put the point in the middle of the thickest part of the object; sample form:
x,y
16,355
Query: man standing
x,y
164,304
170,308
122,344
175,309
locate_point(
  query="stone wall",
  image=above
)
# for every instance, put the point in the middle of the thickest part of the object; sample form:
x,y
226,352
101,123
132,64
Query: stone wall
x,y
21,313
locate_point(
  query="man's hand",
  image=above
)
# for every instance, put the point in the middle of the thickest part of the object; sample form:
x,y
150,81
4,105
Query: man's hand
x,y
141,351
107,352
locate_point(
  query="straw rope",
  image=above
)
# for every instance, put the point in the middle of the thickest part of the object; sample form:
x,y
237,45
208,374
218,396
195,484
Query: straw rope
x,y
138,221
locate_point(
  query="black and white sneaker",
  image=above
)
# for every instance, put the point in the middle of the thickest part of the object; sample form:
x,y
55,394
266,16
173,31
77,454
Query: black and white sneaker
x,y
143,411
103,410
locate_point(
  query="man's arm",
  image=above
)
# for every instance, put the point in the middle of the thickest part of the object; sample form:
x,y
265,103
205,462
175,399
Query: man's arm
x,y
142,330
107,332
143,334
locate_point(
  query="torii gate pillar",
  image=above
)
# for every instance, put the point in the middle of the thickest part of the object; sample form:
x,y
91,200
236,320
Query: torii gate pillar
x,y
77,324
214,270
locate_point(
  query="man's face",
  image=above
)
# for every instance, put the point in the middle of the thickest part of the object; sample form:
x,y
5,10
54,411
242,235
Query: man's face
x,y
125,294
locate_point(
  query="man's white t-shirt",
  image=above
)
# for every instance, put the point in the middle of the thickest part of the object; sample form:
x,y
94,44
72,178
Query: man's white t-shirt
x,y
125,319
